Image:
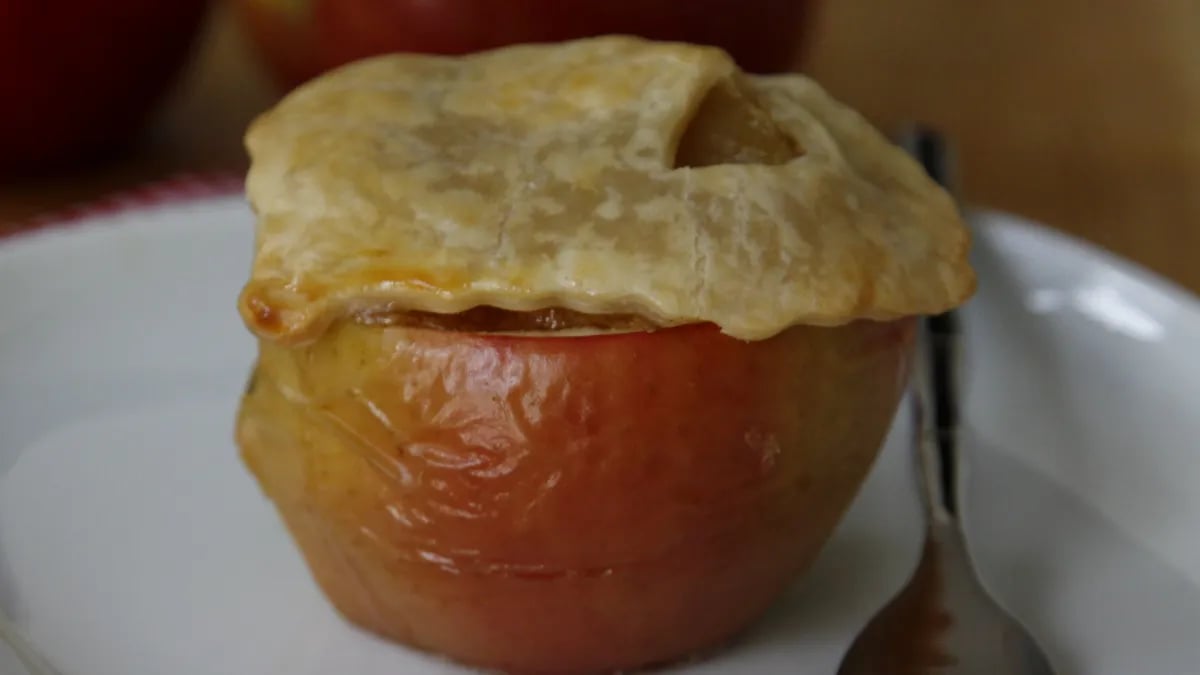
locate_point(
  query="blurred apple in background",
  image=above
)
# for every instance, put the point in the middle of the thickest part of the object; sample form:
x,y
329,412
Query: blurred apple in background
x,y
78,78
302,38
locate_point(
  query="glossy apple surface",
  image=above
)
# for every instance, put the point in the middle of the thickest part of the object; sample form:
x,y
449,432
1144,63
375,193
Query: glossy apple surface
x,y
302,38
567,504
78,78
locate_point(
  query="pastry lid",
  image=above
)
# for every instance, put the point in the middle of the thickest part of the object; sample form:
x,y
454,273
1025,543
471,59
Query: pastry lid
x,y
609,175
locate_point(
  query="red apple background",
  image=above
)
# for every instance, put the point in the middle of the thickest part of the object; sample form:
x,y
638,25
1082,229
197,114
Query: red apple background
x,y
79,77
302,38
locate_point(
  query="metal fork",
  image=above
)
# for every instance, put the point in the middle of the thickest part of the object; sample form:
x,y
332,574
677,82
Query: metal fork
x,y
943,621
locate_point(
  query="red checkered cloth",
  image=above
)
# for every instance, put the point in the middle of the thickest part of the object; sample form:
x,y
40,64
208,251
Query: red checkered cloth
x,y
178,188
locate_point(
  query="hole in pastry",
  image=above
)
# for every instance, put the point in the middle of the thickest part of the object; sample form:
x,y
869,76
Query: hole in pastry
x,y
488,319
730,127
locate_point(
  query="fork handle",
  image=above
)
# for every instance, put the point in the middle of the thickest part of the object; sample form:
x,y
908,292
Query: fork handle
x,y
937,364
937,404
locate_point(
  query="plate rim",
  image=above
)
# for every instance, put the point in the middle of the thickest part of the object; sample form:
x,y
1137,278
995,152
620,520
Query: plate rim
x,y
1007,223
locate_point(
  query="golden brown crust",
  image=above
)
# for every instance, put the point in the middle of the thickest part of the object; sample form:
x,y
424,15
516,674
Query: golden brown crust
x,y
486,319
609,176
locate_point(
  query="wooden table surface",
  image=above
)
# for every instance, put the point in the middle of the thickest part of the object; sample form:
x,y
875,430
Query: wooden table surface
x,y
1080,114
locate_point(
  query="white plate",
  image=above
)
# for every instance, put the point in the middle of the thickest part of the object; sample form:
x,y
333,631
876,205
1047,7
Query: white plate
x,y
132,542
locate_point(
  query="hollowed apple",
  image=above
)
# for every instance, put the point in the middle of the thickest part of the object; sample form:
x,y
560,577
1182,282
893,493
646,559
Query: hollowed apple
x,y
563,503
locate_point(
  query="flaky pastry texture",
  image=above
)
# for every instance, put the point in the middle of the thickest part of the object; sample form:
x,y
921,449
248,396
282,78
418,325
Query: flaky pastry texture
x,y
608,176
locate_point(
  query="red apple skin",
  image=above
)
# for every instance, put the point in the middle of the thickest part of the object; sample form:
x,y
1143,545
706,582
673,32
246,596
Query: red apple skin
x,y
302,38
285,37
567,504
78,78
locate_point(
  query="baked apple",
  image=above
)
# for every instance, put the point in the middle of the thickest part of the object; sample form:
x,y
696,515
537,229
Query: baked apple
x,y
572,356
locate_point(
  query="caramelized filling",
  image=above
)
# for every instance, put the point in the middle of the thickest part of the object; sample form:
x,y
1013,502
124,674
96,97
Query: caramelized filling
x,y
487,319
729,127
